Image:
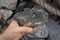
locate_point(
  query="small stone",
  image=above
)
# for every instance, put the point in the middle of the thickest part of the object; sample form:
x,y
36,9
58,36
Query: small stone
x,y
6,13
33,17
10,4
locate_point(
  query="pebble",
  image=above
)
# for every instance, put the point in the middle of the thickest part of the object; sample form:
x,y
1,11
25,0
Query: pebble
x,y
10,4
6,13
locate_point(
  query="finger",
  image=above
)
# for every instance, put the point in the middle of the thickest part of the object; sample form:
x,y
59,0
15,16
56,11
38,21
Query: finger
x,y
25,29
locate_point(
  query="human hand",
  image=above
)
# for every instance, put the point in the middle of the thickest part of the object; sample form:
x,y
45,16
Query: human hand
x,y
14,31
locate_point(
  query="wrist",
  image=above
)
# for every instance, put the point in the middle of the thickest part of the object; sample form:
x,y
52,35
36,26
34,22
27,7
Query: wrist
x,y
3,37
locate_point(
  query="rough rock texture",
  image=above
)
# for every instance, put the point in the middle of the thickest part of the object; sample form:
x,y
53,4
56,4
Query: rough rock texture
x,y
10,4
31,18
53,29
6,13
40,32
27,38
47,6
36,14
20,7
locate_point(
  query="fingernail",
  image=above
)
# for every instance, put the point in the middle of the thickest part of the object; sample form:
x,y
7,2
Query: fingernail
x,y
30,29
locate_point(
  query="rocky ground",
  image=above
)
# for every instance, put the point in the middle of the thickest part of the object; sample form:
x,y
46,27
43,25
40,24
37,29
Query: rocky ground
x,y
14,8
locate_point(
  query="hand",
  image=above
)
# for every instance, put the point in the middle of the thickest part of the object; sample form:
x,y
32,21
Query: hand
x,y
14,31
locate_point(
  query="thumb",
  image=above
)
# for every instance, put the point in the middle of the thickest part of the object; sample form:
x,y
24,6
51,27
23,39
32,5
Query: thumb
x,y
13,24
25,29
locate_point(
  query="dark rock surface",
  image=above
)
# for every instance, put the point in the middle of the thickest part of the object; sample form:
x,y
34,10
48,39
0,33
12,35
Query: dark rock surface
x,y
10,4
6,13
40,32
53,29
20,7
52,26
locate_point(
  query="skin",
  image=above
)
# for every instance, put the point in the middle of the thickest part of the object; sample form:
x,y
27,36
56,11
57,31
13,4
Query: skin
x,y
0,17
14,31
